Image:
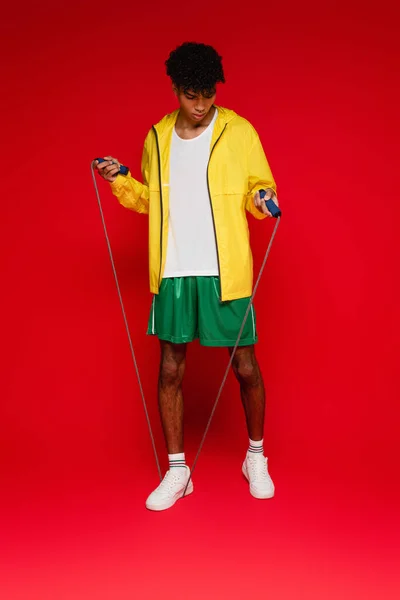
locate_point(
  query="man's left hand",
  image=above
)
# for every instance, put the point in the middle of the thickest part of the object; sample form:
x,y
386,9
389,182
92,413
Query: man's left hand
x,y
260,202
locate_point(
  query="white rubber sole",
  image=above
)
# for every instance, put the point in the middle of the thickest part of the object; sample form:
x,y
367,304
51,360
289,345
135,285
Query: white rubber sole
x,y
171,502
258,495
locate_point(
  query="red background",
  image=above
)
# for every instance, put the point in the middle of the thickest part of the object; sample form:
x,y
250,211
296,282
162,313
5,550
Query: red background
x,y
318,81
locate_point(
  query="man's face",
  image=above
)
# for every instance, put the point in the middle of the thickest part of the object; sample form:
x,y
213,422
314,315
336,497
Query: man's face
x,y
193,105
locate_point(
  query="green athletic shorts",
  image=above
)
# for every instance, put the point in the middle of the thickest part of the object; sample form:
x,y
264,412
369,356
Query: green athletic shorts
x,y
188,308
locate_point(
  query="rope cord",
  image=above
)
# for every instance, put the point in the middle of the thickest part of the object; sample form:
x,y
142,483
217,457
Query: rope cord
x,y
146,412
214,408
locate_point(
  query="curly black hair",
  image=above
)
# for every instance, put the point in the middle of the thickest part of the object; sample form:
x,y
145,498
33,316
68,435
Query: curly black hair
x,y
195,67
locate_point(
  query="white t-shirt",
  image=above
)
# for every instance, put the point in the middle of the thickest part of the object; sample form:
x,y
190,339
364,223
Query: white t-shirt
x,y
191,246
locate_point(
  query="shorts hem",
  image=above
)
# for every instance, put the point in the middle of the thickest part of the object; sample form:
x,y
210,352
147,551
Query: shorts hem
x,y
173,339
228,343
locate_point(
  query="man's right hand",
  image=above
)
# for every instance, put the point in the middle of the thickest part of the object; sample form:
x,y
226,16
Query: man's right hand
x,y
108,169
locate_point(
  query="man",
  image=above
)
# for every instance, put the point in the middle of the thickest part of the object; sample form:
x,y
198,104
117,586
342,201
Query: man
x,y
203,167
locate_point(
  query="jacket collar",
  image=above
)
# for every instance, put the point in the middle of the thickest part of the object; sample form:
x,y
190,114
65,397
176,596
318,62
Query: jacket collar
x,y
165,126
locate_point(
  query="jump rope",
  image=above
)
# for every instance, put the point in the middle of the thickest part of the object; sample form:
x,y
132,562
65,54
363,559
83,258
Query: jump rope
x,y
276,213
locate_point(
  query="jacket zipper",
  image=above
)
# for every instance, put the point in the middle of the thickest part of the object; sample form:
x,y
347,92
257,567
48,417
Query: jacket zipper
x,y
161,205
212,210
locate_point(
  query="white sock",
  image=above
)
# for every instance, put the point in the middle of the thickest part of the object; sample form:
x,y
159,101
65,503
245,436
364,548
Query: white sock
x,y
176,460
256,447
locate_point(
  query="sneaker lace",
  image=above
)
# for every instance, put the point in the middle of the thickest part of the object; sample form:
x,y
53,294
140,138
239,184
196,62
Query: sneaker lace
x,y
258,466
169,481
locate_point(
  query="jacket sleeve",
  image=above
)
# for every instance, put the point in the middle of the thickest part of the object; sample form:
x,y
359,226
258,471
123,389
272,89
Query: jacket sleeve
x,y
260,176
131,193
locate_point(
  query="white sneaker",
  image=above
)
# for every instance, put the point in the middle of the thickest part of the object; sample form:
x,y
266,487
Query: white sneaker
x,y
255,469
170,489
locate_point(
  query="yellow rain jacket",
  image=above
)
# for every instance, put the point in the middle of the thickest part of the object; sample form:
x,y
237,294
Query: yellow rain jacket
x,y
237,169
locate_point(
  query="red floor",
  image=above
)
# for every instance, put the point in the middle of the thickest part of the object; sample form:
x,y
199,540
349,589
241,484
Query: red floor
x,y
327,534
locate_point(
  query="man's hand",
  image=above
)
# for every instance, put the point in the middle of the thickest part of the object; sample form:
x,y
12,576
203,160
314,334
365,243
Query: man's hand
x,y
108,169
260,202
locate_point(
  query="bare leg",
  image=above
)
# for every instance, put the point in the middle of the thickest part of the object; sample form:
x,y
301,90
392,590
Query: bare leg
x,y
170,398
247,371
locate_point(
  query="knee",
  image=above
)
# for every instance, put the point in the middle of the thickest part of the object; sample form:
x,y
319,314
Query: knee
x,y
171,371
246,371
